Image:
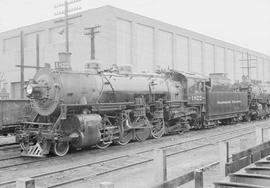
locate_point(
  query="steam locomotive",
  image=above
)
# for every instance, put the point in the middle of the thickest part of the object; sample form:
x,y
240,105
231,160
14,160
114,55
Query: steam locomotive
x,y
99,108
258,97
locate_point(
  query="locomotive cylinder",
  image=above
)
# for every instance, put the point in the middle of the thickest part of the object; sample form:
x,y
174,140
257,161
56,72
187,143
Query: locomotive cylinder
x,y
88,132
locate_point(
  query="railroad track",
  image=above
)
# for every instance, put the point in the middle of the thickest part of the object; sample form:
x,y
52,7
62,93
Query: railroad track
x,y
93,169
9,152
8,140
17,160
5,147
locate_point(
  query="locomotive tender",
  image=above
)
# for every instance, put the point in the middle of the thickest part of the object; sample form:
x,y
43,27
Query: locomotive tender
x,y
98,108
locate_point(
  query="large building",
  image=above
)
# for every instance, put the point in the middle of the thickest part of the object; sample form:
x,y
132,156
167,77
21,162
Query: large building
x,y
128,38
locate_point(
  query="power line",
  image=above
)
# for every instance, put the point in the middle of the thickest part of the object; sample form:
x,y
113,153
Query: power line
x,y
248,67
2,79
67,10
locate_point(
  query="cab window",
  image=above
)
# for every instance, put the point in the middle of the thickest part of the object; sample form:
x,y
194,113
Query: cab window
x,y
196,86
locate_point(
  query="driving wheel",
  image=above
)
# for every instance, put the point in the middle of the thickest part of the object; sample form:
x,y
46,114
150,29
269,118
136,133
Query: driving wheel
x,y
158,128
125,136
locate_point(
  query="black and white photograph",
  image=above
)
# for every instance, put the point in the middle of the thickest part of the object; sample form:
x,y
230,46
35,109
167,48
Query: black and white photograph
x,y
134,94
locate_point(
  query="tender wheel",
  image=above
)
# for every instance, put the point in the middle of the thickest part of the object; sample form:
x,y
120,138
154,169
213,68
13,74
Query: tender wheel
x,y
61,148
158,128
103,145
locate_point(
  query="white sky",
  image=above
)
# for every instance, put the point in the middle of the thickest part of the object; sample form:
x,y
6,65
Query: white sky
x,y
242,22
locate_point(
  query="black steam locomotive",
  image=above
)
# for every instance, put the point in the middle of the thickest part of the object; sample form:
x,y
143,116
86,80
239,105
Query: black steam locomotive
x,y
258,97
98,108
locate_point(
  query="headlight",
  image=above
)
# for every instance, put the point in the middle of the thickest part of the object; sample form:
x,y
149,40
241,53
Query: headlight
x,y
29,89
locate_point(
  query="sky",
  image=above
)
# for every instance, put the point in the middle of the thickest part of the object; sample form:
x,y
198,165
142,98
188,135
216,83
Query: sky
x,y
242,22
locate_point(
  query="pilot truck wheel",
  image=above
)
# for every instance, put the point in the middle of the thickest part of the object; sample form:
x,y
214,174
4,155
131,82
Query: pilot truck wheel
x,y
61,148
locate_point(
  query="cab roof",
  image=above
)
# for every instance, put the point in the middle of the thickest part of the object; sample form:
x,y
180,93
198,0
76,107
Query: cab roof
x,y
190,75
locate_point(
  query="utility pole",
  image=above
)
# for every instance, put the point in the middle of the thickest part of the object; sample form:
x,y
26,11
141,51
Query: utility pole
x,y
66,26
92,31
22,64
37,67
248,67
3,92
37,52
66,19
2,79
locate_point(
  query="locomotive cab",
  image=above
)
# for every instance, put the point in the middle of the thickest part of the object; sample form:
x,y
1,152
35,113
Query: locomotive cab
x,y
190,110
196,91
193,86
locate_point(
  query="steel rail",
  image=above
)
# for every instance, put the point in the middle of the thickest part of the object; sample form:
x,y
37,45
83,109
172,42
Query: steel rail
x,y
9,146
